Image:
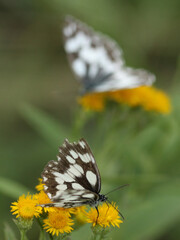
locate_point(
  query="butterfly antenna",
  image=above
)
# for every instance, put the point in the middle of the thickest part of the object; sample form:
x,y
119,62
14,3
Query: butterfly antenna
x,y
125,185
116,209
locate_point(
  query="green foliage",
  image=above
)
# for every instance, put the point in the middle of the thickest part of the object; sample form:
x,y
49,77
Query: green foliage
x,y
44,124
130,146
8,232
11,188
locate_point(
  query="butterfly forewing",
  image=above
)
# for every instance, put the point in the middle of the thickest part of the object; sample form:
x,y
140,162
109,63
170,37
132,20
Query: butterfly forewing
x,y
74,179
97,60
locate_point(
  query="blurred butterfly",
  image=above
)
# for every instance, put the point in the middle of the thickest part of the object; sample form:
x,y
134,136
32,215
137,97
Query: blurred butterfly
x,y
74,179
97,60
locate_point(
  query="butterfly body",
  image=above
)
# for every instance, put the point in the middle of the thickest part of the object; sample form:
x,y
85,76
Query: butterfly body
x,y
74,179
97,60
91,84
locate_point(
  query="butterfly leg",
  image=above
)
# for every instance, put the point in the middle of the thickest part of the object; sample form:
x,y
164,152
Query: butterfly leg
x,y
97,214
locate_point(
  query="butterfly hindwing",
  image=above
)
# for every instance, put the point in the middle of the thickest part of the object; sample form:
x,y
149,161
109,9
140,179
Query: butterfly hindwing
x,y
74,179
97,60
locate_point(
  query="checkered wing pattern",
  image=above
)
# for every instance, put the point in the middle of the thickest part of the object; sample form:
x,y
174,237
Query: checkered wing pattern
x,y
97,60
73,180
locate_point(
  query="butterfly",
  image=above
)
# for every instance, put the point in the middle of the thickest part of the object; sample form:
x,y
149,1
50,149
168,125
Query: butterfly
x,y
74,179
97,60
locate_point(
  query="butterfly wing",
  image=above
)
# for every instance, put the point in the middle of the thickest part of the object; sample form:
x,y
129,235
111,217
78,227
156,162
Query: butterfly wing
x,y
97,60
74,179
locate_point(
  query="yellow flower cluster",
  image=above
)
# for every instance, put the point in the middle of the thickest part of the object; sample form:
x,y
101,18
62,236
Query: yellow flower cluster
x,y
93,101
60,220
150,98
26,207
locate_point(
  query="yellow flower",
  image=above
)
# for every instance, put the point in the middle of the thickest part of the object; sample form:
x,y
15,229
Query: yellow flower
x,y
80,214
108,215
150,98
40,186
58,221
128,96
26,207
93,101
43,198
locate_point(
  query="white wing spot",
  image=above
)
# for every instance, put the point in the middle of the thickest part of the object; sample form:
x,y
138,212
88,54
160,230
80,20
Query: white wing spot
x,y
61,178
79,41
45,187
45,179
93,70
67,178
82,144
85,157
79,168
88,157
69,30
70,198
70,159
74,171
91,177
57,174
88,195
73,154
77,186
60,204
79,67
49,195
62,187
92,159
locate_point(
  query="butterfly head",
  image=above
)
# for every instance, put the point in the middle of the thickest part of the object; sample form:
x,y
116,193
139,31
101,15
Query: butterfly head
x,y
102,198
95,203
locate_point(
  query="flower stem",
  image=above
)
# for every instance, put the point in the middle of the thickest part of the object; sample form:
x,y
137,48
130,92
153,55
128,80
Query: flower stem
x,y
23,235
102,235
63,236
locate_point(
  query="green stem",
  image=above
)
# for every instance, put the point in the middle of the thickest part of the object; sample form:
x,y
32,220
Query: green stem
x,y
94,236
23,235
42,231
50,236
42,235
103,234
63,236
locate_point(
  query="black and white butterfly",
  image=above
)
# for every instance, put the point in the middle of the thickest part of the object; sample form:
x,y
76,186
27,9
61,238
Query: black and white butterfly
x,y
74,179
97,60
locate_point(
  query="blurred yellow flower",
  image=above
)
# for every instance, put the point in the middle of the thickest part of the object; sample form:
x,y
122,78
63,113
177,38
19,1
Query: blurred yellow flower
x,y
80,214
58,221
26,207
93,101
150,98
108,215
40,186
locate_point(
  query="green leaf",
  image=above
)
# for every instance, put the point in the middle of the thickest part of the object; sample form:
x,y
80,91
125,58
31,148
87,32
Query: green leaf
x,y
151,218
11,188
8,232
44,124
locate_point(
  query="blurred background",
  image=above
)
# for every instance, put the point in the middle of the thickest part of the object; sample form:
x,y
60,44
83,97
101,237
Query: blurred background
x,y
34,71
